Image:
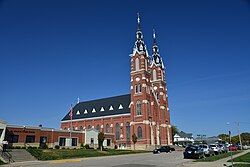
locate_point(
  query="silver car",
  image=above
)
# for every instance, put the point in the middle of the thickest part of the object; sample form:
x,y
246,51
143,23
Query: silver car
x,y
208,151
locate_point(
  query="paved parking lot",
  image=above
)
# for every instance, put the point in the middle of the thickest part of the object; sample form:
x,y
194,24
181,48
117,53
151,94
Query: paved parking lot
x,y
136,160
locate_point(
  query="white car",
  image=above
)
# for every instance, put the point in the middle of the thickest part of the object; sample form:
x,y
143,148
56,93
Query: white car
x,y
216,148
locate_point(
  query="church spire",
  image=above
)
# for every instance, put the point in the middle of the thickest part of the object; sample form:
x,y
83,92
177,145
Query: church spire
x,y
156,58
138,20
139,43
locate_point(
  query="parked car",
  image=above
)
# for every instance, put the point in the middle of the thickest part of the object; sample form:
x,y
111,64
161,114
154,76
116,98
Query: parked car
x,y
223,148
216,148
193,152
232,148
208,151
163,149
238,146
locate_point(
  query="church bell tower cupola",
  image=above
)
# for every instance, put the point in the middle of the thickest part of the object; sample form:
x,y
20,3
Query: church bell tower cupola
x,y
156,58
139,43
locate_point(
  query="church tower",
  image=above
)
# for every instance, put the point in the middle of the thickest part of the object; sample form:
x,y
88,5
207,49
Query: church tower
x,y
161,110
140,89
150,120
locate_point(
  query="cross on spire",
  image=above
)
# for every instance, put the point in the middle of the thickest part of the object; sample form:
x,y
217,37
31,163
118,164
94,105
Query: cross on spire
x,y
138,20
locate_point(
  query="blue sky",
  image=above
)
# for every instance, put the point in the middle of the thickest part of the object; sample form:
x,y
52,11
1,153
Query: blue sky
x,y
52,52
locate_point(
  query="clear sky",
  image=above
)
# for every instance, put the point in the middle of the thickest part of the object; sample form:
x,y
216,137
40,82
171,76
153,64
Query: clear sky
x,y
52,52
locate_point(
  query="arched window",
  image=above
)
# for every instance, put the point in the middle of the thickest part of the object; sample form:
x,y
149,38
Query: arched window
x,y
138,88
81,128
98,127
89,127
139,131
128,131
117,131
65,128
154,75
137,64
138,108
107,128
157,96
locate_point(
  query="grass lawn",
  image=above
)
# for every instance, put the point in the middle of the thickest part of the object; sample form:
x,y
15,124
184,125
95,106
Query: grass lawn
x,y
55,154
217,157
241,165
243,158
1,162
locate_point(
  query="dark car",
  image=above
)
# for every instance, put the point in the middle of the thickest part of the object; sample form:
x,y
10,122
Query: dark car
x,y
193,152
163,149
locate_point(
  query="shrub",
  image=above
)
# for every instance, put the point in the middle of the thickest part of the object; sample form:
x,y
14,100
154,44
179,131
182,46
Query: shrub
x,y
57,147
44,146
87,146
82,146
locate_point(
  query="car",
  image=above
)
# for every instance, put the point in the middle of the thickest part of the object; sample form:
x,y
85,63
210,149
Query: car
x,y
216,148
223,148
208,151
166,149
232,148
193,152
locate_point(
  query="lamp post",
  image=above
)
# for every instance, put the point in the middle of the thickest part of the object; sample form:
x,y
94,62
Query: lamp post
x,y
231,150
231,156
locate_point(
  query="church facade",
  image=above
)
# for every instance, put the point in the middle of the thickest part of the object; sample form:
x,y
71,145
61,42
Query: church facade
x,y
144,112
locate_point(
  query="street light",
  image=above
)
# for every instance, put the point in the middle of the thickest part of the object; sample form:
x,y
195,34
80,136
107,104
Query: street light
x,y
229,132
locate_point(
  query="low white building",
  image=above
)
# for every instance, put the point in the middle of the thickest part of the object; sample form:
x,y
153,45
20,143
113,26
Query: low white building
x,y
183,138
2,131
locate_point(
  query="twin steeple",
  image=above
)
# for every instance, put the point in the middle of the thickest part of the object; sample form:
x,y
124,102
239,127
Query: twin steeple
x,y
140,45
156,58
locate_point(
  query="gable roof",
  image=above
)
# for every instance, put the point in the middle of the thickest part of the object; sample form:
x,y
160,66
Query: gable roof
x,y
183,134
95,108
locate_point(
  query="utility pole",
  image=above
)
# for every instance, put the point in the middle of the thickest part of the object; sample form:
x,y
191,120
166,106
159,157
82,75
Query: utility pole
x,y
238,129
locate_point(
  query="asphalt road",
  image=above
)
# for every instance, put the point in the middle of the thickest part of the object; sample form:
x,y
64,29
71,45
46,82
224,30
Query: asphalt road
x,y
136,160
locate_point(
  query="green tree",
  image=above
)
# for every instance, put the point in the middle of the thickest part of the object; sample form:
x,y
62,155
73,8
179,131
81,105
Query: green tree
x,y
245,138
223,137
101,139
134,139
175,130
235,139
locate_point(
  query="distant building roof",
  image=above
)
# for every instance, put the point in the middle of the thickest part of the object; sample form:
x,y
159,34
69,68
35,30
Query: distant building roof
x,y
100,108
183,134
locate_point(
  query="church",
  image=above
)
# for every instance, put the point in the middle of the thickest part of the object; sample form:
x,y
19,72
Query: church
x,y
143,112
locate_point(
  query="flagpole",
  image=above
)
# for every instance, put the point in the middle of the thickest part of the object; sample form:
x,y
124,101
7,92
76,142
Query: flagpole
x,y
71,115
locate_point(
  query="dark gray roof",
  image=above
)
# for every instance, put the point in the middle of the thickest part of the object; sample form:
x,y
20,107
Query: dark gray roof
x,y
120,105
183,134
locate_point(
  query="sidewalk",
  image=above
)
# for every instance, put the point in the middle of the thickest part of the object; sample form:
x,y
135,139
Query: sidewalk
x,y
218,163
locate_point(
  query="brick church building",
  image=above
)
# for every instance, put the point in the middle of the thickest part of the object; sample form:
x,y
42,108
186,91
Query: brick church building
x,y
144,112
